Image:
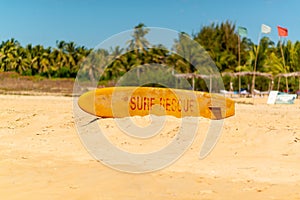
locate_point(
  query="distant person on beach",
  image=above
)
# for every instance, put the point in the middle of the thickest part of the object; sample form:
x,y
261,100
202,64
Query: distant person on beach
x,y
231,87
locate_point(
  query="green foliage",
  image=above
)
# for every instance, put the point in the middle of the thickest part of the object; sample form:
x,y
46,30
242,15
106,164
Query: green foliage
x,y
62,61
220,43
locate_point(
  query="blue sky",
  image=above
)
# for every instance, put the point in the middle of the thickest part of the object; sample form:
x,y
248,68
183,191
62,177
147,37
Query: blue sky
x,y
90,22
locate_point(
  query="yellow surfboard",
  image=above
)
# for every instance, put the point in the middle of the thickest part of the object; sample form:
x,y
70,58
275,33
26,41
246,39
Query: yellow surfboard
x,y
130,101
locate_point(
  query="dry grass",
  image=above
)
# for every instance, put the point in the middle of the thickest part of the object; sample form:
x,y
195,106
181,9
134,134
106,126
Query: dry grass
x,y
13,83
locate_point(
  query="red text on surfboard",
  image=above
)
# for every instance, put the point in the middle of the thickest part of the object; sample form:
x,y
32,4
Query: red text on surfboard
x,y
169,104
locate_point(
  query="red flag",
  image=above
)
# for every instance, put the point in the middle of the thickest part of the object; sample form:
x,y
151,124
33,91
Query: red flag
x,y
282,32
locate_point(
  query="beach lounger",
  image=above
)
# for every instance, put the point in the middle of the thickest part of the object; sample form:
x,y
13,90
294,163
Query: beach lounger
x,y
227,93
257,92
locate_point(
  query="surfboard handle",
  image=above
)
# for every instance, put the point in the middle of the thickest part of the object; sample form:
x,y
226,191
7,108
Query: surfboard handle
x,y
216,110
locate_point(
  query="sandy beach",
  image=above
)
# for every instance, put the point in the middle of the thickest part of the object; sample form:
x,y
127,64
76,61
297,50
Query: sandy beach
x,y
42,157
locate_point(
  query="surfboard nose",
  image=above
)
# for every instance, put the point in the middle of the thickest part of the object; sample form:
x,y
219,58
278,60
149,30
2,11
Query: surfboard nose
x,y
87,102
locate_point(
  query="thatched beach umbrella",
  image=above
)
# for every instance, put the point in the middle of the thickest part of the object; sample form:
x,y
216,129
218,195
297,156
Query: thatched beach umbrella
x,y
248,73
286,75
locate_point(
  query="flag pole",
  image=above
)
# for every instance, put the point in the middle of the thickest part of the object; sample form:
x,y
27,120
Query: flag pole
x,y
239,63
255,65
284,67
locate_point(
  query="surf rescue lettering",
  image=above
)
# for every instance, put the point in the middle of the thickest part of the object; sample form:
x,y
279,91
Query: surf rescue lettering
x,y
169,104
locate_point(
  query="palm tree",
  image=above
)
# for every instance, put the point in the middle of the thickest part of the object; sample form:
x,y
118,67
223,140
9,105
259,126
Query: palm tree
x,y
21,62
157,54
29,55
8,54
59,54
81,54
138,41
194,58
116,62
260,54
220,41
41,60
139,44
93,66
71,54
185,47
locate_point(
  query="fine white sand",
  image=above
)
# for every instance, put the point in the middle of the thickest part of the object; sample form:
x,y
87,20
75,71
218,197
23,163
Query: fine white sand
x,y
42,157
